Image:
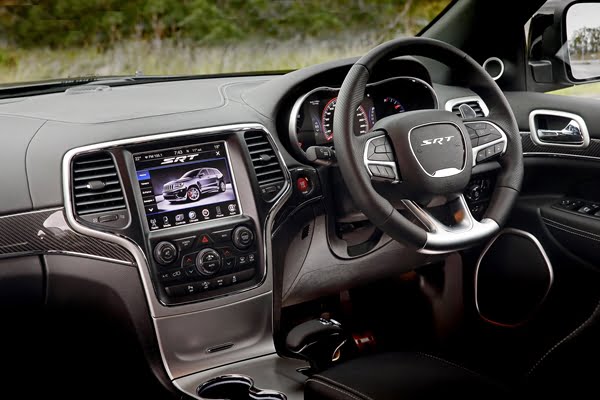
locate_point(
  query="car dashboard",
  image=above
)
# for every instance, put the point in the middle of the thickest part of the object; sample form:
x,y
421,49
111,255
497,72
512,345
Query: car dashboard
x,y
207,191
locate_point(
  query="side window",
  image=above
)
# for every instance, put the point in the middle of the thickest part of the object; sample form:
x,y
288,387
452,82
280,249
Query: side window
x,y
563,48
202,173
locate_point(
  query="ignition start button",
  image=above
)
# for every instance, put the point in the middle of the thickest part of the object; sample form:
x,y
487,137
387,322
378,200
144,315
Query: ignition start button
x,y
303,185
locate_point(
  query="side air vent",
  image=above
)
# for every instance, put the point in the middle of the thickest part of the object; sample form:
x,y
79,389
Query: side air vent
x,y
269,173
476,105
96,186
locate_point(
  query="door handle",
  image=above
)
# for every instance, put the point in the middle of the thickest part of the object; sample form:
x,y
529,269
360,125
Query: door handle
x,y
558,128
570,134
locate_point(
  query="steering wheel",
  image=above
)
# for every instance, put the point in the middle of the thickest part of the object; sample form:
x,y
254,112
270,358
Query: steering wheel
x,y
424,158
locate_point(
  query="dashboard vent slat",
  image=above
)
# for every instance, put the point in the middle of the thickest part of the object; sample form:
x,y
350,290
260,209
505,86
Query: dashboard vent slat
x,y
474,104
96,186
267,169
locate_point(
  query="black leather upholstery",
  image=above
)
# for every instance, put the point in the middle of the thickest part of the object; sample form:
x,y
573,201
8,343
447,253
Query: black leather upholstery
x,y
400,376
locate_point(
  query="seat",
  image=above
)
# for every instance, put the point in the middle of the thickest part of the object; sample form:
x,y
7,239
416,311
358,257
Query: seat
x,y
400,376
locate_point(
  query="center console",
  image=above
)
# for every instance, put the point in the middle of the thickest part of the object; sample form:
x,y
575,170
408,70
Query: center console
x,y
200,243
193,208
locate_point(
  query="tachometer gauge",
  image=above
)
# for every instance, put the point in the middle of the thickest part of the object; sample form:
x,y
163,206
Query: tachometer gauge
x,y
391,106
361,122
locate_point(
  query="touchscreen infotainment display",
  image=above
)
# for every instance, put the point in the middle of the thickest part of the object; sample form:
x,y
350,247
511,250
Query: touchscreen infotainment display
x,y
185,185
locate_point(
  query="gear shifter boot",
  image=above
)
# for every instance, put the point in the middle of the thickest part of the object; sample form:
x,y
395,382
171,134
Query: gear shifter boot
x,y
317,342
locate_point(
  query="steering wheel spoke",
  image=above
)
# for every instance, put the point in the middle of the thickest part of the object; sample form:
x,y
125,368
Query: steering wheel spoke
x,y
379,158
444,222
488,140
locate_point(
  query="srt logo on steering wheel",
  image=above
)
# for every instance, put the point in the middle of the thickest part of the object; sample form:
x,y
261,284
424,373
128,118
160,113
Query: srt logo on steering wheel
x,y
439,140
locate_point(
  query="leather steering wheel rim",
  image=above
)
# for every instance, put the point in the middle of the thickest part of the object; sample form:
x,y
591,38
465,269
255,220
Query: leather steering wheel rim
x,y
350,149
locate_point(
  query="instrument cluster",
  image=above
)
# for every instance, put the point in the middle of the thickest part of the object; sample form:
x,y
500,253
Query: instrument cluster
x,y
311,120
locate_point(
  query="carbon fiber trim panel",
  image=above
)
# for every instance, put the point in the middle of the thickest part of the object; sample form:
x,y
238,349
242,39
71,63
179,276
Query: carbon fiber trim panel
x,y
47,232
530,148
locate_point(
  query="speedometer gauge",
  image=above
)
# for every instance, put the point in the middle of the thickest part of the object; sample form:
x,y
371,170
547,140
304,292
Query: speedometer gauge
x,y
392,106
361,122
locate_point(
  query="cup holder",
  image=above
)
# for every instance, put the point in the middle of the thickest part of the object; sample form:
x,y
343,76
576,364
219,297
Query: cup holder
x,y
236,387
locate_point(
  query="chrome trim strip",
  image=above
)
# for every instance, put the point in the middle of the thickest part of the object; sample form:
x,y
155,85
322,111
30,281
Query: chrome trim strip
x,y
535,241
560,155
503,139
155,307
452,102
582,127
293,134
499,61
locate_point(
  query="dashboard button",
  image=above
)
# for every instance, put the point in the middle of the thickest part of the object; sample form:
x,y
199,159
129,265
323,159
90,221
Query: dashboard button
x,y
185,243
222,236
190,271
204,285
242,260
251,257
218,282
228,264
188,260
174,291
205,239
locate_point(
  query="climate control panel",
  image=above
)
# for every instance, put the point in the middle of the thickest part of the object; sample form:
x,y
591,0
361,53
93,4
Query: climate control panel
x,y
206,263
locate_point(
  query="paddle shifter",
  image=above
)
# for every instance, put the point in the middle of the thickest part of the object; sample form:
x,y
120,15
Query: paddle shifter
x,y
316,341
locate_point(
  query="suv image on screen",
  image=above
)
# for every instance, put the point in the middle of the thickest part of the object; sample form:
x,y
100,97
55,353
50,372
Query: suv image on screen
x,y
193,184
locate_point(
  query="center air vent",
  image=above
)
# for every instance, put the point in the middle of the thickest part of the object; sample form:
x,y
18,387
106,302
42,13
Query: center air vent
x,y
477,105
269,173
96,186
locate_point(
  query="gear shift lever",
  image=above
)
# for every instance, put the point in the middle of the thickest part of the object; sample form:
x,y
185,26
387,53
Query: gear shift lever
x,y
316,341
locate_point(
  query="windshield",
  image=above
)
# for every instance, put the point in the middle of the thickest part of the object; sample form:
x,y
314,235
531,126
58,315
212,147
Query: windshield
x,y
191,174
53,39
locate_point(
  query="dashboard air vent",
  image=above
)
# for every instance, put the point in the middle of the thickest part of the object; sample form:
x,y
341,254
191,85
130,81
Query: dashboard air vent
x,y
96,185
269,173
476,105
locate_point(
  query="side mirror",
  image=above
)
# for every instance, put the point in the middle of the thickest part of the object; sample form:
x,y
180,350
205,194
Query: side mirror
x,y
564,43
582,25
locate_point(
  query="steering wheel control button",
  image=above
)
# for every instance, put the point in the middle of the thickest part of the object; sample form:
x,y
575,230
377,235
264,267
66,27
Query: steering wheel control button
x,y
222,236
165,253
185,243
208,262
242,237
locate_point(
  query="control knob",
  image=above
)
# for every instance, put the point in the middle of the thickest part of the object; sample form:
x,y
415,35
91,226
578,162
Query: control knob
x,y
208,261
165,253
242,237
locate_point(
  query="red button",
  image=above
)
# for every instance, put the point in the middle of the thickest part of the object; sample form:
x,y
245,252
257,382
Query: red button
x,y
303,185
205,239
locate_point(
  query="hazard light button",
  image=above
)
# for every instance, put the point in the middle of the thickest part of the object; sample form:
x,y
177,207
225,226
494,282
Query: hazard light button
x,y
204,239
